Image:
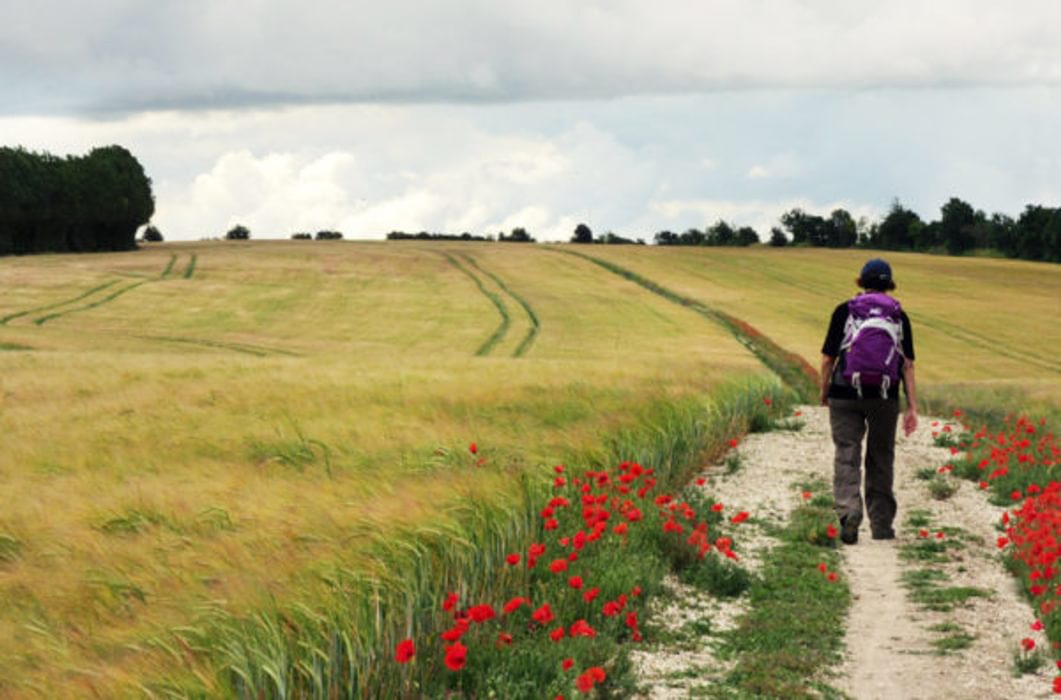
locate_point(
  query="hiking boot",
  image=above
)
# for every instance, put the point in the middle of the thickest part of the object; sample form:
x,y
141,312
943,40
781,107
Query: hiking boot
x,y
884,534
849,527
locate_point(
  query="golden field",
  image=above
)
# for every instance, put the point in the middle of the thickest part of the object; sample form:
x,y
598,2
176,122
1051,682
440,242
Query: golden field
x,y
219,425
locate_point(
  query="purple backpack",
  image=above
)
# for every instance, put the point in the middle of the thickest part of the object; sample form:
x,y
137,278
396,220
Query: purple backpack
x,y
872,345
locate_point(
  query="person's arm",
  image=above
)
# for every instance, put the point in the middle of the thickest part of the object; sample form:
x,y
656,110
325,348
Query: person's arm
x,y
910,415
828,363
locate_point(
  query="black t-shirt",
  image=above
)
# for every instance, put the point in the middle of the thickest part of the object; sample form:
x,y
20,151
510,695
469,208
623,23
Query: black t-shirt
x,y
834,338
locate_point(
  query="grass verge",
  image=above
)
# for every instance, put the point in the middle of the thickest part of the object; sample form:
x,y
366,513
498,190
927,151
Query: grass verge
x,y
794,628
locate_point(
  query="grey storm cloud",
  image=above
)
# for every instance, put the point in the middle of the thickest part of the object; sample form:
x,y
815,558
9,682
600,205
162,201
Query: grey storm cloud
x,y
121,56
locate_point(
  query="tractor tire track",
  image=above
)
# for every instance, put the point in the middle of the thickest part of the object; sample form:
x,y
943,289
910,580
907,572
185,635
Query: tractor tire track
x,y
245,348
984,343
535,323
109,298
169,267
498,335
56,305
793,369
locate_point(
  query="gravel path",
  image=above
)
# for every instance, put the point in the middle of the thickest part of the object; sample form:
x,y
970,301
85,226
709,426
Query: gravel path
x,y
890,653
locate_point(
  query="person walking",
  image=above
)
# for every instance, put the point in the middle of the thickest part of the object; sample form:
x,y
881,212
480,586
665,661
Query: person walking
x,y
868,352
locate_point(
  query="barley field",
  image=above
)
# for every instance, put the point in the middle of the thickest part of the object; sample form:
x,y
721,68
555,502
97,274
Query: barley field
x,y
194,434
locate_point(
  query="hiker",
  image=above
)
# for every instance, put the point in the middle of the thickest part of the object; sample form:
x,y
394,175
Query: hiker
x,y
868,351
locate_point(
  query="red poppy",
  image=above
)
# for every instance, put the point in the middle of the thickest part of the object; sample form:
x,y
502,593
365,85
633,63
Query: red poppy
x,y
543,615
455,632
717,507
832,576
456,656
566,664
405,651
830,531
1027,643
504,639
806,495
481,613
450,602
591,594
822,567
512,559
734,442
557,634
701,482
739,517
558,565
584,683
581,628
473,448
575,582
514,605
1037,625
767,401
611,609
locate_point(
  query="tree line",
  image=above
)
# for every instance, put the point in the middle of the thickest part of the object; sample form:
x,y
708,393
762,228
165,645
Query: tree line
x,y
49,204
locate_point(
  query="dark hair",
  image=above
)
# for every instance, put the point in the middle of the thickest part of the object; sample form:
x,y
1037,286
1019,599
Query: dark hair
x,y
876,284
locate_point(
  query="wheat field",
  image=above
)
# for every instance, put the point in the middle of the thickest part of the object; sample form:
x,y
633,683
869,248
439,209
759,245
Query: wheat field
x,y
219,424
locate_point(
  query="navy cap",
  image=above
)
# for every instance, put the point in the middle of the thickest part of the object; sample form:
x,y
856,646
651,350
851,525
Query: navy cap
x,y
876,274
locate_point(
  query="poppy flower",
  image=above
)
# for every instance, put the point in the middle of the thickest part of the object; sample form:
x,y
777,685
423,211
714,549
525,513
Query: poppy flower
x,y
504,639
768,401
450,602
830,531
739,517
566,664
581,628
832,576
717,507
575,582
734,442
590,595
456,656
1037,625
514,605
512,559
405,651
557,634
481,613
1027,643
543,615
701,482
558,565
584,683
456,632
806,495
473,448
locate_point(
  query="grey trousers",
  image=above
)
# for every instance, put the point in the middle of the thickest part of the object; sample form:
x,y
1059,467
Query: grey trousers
x,y
851,419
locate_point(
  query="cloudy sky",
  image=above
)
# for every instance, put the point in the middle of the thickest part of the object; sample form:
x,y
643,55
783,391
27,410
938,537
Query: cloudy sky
x,y
482,115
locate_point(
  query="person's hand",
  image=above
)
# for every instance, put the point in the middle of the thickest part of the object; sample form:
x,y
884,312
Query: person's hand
x,y
909,421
